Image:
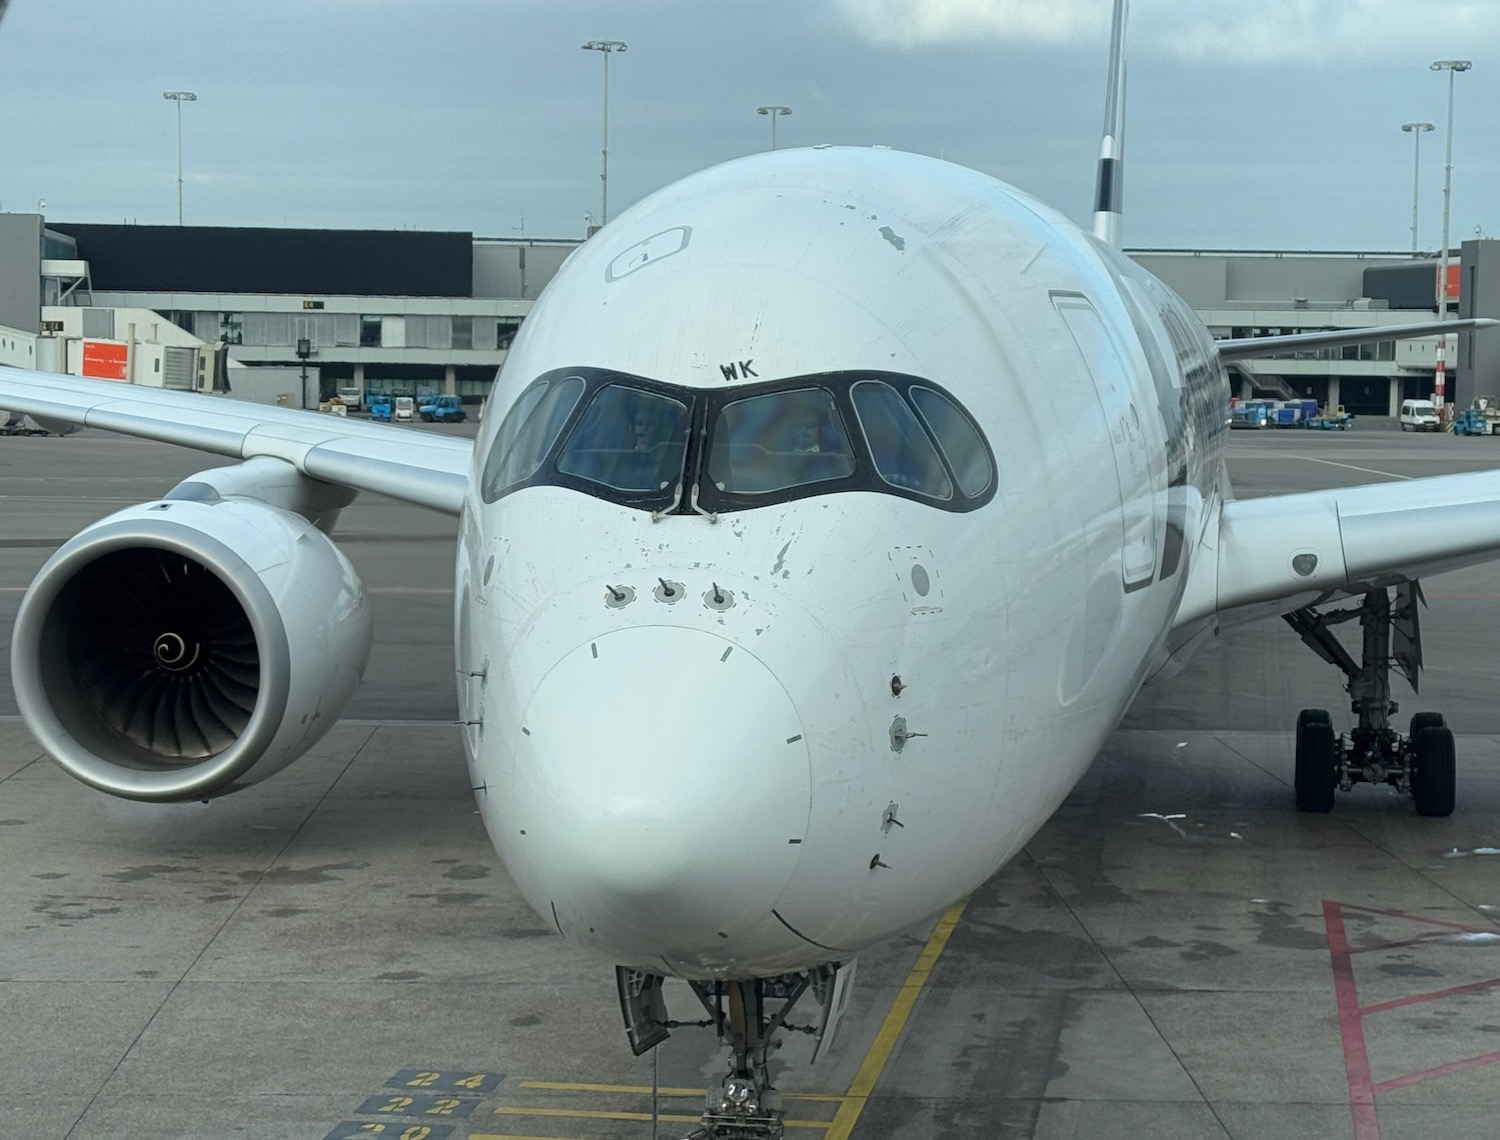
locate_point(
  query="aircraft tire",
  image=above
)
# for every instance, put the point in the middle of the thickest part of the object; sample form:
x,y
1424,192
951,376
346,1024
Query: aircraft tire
x,y
1317,761
1422,720
1434,783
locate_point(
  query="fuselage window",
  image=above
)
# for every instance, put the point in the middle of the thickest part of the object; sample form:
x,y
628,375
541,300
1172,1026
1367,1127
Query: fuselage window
x,y
958,439
779,440
628,439
528,433
903,454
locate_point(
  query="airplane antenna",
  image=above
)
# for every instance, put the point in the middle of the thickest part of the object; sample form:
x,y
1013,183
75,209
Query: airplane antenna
x,y
1108,213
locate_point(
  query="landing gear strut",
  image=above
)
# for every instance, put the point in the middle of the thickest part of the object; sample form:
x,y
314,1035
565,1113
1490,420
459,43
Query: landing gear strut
x,y
747,1015
1420,763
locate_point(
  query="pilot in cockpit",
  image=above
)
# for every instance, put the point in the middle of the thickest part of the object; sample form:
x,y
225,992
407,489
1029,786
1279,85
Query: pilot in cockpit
x,y
806,433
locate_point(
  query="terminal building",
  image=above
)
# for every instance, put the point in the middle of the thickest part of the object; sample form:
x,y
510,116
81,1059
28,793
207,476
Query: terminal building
x,y
292,316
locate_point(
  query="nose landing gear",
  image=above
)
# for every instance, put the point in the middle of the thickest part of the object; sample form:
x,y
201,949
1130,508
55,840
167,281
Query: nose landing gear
x,y
1420,763
747,1015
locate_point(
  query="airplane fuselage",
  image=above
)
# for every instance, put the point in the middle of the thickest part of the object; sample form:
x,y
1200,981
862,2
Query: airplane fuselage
x,y
723,732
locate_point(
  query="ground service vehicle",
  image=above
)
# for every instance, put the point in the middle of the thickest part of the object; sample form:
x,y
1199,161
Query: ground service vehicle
x,y
1329,420
443,410
1248,416
405,410
1419,415
380,409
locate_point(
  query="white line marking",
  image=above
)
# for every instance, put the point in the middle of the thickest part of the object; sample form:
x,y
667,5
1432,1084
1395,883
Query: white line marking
x,y
1329,462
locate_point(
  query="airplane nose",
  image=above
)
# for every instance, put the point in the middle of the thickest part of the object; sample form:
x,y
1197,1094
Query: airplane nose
x,y
663,786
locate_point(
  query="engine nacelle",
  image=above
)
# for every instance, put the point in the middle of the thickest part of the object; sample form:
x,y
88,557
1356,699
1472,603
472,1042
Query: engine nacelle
x,y
183,649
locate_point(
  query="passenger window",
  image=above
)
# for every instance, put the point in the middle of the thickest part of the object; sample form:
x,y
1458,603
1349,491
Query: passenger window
x,y
628,439
779,440
903,454
528,433
959,440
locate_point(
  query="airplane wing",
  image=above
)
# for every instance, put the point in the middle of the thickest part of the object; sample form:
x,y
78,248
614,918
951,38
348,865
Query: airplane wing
x,y
415,466
1254,347
1276,554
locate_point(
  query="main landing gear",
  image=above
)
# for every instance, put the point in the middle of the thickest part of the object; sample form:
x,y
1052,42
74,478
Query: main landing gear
x,y
1421,762
747,1015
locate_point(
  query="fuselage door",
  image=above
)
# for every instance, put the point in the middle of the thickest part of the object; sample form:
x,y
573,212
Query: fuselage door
x,y
1111,379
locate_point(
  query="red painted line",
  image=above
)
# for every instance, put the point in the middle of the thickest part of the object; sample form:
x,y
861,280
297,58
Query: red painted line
x,y
1351,1028
1440,1071
1409,918
1435,995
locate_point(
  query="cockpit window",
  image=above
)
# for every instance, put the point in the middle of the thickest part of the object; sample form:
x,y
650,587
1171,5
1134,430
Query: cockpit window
x,y
903,453
958,439
779,440
530,429
628,439
670,449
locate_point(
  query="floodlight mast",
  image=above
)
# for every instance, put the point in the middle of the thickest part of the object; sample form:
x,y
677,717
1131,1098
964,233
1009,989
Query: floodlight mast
x,y
1452,67
606,48
1416,130
179,97
775,111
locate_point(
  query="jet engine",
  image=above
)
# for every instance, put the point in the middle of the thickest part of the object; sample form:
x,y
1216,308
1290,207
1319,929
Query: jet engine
x,y
184,649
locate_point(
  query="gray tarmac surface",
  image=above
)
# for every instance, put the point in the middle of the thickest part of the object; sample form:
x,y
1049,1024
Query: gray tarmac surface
x,y
338,952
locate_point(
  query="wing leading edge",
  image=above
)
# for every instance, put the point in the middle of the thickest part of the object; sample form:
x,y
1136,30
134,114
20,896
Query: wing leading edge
x,y
1255,347
417,467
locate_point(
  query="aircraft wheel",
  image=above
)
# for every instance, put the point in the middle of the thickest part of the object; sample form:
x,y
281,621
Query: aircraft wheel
x,y
1434,783
1422,720
1317,761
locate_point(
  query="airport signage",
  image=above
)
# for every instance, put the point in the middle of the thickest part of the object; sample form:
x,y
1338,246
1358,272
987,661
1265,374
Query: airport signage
x,y
105,360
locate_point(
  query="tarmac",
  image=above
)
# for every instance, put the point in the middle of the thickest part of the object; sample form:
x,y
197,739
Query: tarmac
x,y
1178,954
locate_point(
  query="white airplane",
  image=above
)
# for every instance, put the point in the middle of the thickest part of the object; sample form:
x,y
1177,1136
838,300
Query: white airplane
x,y
834,505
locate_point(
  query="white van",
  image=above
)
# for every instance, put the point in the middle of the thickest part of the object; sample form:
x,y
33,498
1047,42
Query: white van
x,y
1419,415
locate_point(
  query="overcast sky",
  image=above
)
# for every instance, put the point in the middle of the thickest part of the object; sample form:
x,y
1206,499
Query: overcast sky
x,y
1252,123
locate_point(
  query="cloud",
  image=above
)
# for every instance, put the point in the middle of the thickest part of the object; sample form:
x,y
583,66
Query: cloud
x,y
1231,31
916,23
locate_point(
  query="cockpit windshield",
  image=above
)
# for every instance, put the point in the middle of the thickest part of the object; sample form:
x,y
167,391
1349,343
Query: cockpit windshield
x,y
628,439
665,447
777,441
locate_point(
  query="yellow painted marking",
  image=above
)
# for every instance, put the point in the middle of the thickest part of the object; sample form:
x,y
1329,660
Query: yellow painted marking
x,y
645,1090
851,1104
572,1086
895,1021
600,1114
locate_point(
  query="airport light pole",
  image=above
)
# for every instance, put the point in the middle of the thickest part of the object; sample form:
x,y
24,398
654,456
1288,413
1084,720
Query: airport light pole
x,y
606,48
1452,67
775,111
179,97
1416,130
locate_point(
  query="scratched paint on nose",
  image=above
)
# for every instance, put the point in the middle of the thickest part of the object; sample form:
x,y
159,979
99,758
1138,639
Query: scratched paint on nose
x,y
781,558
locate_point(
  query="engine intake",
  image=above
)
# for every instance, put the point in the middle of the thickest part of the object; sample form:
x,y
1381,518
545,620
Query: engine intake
x,y
186,649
